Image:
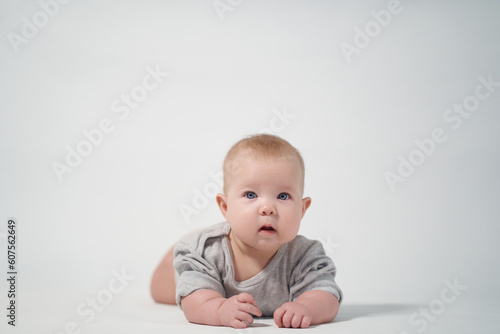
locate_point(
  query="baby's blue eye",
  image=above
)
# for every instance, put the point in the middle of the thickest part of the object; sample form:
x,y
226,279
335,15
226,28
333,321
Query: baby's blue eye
x,y
250,195
283,196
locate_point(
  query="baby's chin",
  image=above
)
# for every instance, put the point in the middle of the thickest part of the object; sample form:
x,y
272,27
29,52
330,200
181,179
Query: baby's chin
x,y
262,243
273,242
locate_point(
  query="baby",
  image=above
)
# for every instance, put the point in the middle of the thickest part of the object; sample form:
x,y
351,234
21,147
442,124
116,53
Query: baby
x,y
254,263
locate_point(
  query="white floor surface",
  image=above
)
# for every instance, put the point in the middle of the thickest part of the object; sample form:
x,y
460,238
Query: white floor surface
x,y
139,314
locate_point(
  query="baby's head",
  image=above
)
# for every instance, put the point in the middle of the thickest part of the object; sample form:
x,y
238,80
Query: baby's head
x,y
265,147
263,188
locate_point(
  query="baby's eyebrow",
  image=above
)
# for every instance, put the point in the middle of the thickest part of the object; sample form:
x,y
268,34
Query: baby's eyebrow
x,y
279,189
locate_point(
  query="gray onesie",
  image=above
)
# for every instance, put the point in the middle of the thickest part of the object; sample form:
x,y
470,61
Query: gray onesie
x,y
203,260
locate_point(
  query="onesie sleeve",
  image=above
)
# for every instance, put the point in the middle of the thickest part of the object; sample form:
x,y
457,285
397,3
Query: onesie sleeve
x,y
195,271
315,271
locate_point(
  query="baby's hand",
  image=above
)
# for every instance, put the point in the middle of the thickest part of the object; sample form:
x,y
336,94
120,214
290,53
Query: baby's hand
x,y
292,314
236,311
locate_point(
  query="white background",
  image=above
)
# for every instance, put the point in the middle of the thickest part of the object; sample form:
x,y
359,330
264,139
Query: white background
x,y
229,74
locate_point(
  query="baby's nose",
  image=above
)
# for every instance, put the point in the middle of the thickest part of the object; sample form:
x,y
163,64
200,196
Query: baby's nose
x,y
267,209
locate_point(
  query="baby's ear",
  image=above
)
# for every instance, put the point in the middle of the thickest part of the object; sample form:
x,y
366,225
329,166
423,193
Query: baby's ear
x,y
306,203
222,203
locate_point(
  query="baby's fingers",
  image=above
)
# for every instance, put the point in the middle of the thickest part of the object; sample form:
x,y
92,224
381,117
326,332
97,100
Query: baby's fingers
x,y
300,321
285,317
245,298
250,308
248,304
238,324
278,316
242,320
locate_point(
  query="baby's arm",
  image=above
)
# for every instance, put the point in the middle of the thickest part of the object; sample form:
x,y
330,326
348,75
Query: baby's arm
x,y
209,307
310,308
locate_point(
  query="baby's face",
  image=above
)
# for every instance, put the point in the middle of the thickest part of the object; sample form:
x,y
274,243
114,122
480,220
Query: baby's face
x,y
263,203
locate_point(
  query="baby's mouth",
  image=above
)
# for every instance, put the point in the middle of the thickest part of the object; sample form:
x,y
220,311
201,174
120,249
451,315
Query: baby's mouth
x,y
267,229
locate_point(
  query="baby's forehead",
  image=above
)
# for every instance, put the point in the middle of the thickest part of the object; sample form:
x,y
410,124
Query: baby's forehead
x,y
260,173
248,169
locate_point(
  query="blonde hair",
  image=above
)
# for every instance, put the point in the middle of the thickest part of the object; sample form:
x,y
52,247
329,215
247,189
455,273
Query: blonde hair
x,y
262,146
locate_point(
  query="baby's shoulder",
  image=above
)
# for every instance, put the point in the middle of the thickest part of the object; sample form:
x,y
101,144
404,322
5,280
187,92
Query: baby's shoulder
x,y
200,238
300,243
301,246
